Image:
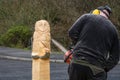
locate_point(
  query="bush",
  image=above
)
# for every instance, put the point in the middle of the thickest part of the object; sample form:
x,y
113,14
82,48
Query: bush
x,y
16,36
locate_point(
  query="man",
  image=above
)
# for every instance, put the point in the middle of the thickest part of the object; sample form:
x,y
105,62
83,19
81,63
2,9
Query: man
x,y
96,46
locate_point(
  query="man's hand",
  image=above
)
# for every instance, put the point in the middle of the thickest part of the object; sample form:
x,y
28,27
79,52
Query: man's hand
x,y
68,57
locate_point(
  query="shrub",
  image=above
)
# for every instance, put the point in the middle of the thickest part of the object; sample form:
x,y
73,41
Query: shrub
x,y
16,36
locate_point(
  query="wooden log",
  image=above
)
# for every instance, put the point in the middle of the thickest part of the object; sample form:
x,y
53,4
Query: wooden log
x,y
41,51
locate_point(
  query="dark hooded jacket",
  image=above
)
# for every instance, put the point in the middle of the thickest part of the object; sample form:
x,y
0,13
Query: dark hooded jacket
x,y
95,40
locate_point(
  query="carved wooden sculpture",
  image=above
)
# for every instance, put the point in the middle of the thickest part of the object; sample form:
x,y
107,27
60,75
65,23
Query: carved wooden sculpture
x,y
41,51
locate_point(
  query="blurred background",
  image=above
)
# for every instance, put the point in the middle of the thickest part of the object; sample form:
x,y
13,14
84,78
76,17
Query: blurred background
x,y
18,17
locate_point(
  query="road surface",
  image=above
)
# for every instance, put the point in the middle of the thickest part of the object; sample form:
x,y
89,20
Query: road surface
x,y
14,69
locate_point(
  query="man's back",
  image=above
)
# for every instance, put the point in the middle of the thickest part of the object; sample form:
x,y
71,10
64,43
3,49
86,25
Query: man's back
x,y
97,39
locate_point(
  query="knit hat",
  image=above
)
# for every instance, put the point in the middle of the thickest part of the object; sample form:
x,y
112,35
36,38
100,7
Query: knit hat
x,y
106,7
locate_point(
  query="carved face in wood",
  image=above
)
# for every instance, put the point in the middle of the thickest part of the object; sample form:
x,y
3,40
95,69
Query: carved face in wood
x,y
42,25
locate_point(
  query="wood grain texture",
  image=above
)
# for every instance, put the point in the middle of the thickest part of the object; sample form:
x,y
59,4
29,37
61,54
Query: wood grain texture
x,y
41,46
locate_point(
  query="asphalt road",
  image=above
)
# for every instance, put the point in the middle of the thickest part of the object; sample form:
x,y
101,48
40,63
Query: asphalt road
x,y
21,69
